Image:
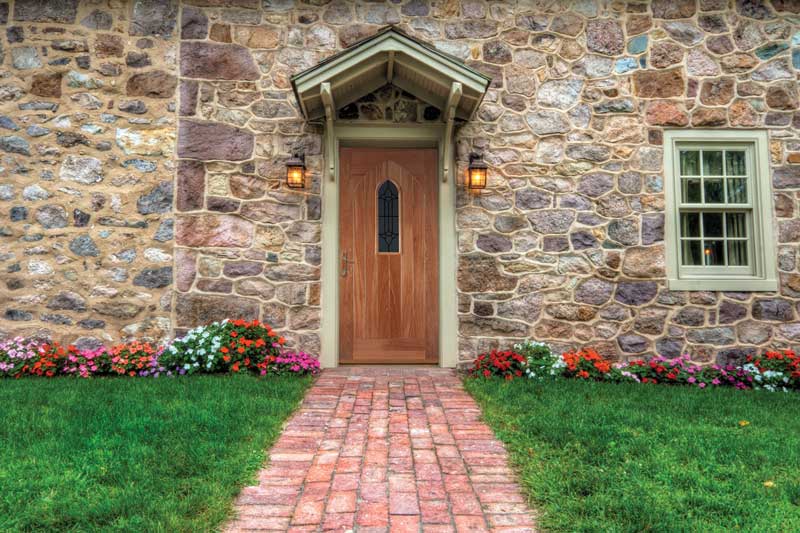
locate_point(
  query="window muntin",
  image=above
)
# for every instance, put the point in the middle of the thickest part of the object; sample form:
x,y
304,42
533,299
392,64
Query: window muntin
x,y
719,211
388,218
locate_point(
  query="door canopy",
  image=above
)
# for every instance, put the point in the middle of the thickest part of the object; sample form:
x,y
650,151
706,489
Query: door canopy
x,y
390,56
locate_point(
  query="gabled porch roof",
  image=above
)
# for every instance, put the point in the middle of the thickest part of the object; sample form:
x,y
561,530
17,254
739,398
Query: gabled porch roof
x,y
389,56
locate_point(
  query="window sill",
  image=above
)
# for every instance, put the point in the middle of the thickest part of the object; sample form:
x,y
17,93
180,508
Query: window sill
x,y
729,285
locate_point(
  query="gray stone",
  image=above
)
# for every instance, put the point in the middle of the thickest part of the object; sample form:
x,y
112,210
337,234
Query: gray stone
x,y
18,213
605,36
52,216
67,301
528,199
596,184
63,11
581,240
730,312
690,316
624,231
14,144
292,272
17,315
25,58
493,243
561,94
773,309
635,292
715,336
588,152
619,105
86,170
669,347
121,310
684,32
154,17
8,123
652,228
547,122
97,20
492,327
158,200
551,221
84,246
165,231
35,130
154,278
92,323
594,291
632,343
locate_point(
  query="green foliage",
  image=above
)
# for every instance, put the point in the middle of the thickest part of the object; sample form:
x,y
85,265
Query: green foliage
x,y
626,457
112,454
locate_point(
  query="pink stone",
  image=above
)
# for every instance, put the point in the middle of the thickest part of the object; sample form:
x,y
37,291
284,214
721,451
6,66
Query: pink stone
x,y
227,231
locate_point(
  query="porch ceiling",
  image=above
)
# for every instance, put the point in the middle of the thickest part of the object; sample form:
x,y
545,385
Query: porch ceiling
x,y
389,56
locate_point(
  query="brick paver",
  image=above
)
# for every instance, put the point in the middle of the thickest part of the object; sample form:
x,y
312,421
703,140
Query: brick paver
x,y
375,449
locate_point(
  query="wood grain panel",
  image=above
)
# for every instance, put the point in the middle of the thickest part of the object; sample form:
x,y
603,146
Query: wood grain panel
x,y
389,302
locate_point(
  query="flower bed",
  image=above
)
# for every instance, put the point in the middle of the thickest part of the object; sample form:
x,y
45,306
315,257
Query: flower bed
x,y
774,370
220,347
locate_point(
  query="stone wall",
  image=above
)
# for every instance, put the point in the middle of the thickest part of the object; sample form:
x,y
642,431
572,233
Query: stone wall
x,y
565,245
87,132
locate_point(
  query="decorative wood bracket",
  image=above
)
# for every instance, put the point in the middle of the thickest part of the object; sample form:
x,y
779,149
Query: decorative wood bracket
x,y
456,90
330,139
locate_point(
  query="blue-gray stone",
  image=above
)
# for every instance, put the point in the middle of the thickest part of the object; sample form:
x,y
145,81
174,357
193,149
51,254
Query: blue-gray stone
x,y
36,130
637,45
84,246
154,278
158,200
142,165
626,64
38,106
165,231
14,144
7,123
770,50
18,213
25,58
796,58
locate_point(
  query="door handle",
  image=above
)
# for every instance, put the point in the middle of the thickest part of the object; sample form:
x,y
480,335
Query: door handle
x,y
345,264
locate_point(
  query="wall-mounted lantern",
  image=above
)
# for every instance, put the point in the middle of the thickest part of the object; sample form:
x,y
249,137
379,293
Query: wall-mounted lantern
x,y
476,178
296,171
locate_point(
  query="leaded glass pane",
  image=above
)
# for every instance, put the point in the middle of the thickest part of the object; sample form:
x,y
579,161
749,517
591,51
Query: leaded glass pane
x,y
734,163
388,218
690,163
712,162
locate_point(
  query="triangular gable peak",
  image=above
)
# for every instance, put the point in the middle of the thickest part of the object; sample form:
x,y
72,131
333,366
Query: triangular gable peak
x,y
390,57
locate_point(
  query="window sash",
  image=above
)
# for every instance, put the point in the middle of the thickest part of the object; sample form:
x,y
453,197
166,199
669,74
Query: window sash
x,y
757,275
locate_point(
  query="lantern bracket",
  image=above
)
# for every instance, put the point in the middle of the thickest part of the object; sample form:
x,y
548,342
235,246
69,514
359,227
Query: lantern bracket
x,y
330,138
456,90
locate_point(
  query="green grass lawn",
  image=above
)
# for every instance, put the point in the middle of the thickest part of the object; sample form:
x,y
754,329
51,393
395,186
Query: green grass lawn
x,y
134,454
606,457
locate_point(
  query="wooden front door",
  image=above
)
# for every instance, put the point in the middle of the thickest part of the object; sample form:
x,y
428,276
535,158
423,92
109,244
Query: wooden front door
x,y
389,262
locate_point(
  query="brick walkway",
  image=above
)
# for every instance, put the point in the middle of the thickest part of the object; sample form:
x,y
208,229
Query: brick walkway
x,y
385,449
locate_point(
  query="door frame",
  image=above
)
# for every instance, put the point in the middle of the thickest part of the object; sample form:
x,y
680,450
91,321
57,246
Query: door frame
x,y
391,136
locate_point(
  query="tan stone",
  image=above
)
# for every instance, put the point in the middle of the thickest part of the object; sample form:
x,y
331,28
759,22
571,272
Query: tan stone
x,y
646,262
257,36
214,230
659,84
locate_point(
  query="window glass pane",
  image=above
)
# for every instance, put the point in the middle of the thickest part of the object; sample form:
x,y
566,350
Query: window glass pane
x,y
691,253
712,162
714,191
690,224
714,252
691,191
736,225
712,224
737,253
690,163
734,161
737,191
388,218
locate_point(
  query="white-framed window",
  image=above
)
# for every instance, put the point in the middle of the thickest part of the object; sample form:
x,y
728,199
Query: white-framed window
x,y
719,211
